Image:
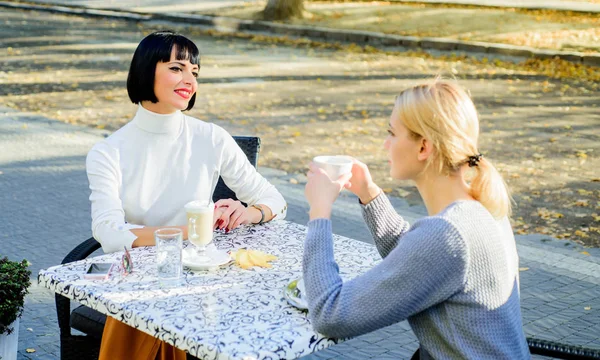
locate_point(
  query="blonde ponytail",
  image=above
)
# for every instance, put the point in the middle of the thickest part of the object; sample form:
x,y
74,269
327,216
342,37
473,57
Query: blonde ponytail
x,y
490,190
442,112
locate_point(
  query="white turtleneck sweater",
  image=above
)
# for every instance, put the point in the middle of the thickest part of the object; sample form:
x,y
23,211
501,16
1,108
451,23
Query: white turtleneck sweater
x,y
145,172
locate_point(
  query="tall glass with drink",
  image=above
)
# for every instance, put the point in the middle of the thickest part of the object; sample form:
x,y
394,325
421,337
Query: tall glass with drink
x,y
169,244
200,226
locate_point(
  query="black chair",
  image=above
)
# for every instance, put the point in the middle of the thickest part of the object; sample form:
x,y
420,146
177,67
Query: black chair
x,y
91,322
251,147
561,351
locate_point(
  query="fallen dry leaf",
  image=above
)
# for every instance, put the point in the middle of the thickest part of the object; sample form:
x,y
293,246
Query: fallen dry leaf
x,y
30,350
280,120
403,193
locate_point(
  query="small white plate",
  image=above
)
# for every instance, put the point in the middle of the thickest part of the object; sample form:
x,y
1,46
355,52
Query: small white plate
x,y
217,258
295,294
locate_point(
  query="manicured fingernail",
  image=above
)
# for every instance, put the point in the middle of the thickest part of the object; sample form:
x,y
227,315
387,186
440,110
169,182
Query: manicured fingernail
x,y
227,231
220,222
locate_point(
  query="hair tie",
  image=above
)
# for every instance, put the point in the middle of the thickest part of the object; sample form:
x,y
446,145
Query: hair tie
x,y
474,160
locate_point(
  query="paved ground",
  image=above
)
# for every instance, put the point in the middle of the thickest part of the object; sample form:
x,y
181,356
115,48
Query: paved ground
x,y
528,33
186,5
45,212
538,118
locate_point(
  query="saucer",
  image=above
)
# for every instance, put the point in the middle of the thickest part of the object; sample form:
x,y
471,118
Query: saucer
x,y
294,292
214,259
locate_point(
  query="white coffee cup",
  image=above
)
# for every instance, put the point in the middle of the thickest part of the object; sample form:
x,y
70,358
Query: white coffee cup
x,y
334,165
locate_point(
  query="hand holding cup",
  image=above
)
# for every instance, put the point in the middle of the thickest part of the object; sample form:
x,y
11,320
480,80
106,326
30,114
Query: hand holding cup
x,y
362,184
334,166
321,190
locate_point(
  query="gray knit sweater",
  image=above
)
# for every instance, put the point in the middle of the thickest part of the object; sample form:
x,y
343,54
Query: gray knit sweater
x,y
454,276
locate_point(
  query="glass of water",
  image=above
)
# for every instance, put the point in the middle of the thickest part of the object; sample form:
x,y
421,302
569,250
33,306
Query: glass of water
x,y
169,244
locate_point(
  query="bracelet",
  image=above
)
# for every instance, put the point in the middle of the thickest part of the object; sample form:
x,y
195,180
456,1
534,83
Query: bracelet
x,y
373,198
262,214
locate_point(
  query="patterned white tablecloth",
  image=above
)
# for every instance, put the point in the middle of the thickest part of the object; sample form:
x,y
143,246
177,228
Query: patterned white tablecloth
x,y
227,313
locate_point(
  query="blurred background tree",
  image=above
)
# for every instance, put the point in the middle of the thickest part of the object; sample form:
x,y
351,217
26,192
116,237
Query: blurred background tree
x,y
283,9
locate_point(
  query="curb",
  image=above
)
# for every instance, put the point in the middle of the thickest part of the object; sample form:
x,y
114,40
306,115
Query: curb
x,y
80,10
375,39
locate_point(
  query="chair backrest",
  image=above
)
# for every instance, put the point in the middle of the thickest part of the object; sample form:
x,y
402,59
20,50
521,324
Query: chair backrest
x,y
251,147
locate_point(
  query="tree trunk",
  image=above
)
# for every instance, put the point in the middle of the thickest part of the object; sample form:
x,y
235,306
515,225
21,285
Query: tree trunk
x,y
283,9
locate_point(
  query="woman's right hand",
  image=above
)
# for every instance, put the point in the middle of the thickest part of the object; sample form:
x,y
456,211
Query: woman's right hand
x,y
361,184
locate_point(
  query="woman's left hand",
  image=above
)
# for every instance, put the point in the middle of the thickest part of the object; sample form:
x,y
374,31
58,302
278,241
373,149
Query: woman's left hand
x,y
321,192
234,215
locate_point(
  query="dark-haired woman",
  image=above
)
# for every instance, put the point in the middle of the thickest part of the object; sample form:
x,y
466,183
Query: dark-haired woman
x,y
143,174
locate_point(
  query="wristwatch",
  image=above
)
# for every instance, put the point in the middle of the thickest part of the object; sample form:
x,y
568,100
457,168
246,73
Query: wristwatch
x,y
262,214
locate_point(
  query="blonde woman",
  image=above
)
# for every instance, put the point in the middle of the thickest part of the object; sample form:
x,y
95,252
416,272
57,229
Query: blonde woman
x,y
452,274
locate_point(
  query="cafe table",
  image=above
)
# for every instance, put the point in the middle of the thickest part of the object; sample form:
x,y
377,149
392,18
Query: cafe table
x,y
224,313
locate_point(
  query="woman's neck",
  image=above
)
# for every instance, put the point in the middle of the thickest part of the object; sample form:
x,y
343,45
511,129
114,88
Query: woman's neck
x,y
439,191
158,108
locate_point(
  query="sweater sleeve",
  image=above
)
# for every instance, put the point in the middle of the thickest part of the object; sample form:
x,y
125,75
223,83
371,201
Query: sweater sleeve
x,y
108,218
427,267
241,177
386,226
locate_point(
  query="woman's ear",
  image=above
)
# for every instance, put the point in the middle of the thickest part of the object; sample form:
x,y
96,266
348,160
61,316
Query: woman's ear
x,y
425,151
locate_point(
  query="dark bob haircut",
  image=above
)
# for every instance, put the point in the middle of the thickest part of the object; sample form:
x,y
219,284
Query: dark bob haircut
x,y
155,48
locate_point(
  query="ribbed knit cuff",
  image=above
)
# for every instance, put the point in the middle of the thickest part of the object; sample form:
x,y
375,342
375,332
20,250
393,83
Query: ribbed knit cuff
x,y
376,207
319,230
